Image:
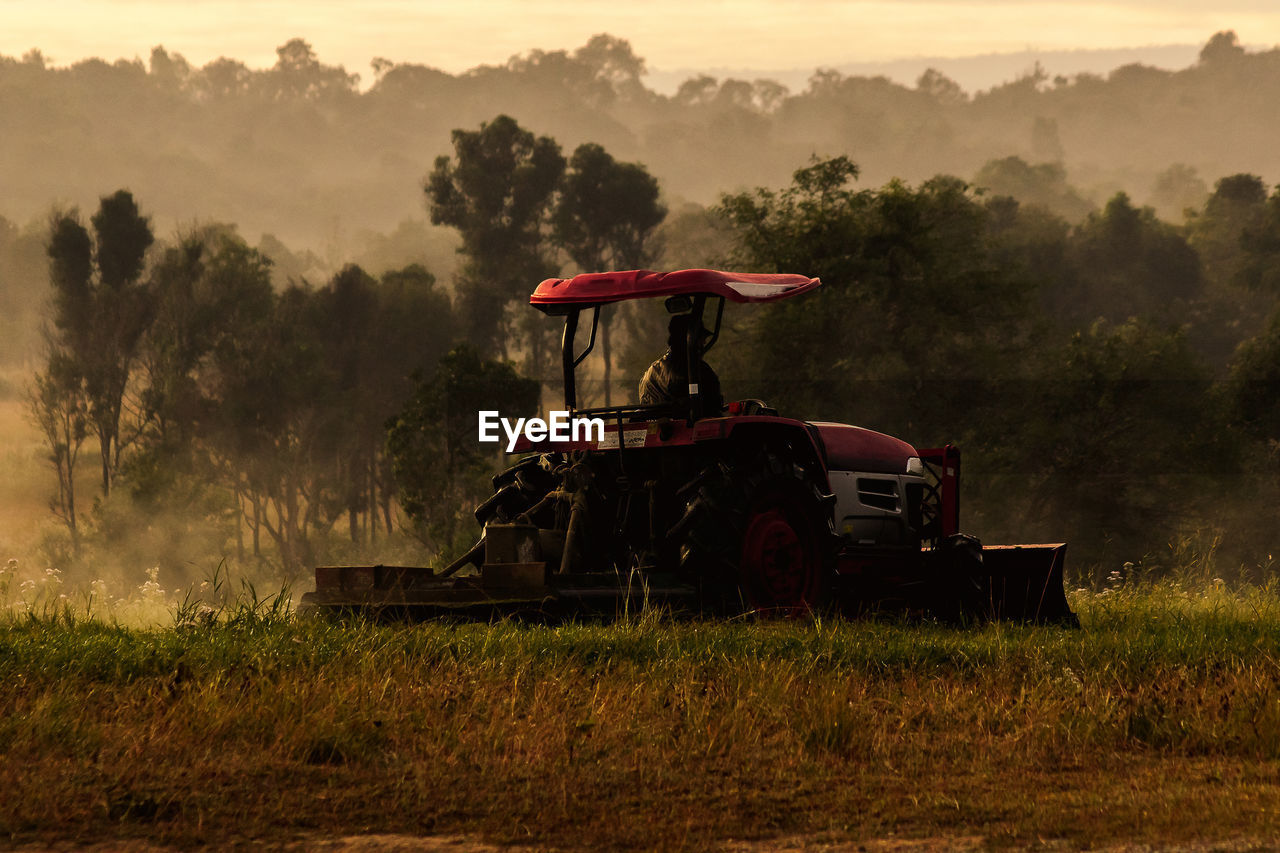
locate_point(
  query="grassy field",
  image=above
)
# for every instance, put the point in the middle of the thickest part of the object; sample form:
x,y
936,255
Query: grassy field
x,y
153,723
1158,721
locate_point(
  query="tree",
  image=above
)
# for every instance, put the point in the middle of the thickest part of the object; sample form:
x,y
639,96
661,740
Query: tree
x,y
497,192
1253,402
1255,383
1043,184
376,335
1228,234
600,72
441,469
297,395
171,73
604,219
56,404
101,310
208,289
1177,190
614,67
914,309
1033,242
1222,50
697,91
299,76
271,391
24,290
1131,264
1046,144
1259,268
222,79
940,88
1116,445
1237,206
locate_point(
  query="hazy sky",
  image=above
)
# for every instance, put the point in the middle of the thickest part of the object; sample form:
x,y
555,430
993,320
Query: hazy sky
x,y
671,34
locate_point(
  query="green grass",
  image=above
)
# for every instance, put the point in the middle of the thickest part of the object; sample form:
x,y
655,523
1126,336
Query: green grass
x,y
1158,720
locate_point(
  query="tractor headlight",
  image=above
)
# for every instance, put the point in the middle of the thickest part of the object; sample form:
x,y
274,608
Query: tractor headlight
x,y
915,466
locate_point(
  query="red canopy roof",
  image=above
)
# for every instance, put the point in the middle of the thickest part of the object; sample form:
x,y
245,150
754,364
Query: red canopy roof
x,y
559,295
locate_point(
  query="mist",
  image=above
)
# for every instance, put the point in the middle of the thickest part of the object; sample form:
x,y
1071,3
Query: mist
x,y
301,152
1071,226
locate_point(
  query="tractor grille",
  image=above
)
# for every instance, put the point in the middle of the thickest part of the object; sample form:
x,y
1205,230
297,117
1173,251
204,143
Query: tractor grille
x,y
881,494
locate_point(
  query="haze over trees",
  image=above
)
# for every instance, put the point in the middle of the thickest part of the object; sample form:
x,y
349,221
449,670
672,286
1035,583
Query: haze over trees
x,y
497,194
308,152
1106,363
218,400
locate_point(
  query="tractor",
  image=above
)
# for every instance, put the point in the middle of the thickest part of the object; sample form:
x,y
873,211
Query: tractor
x,y
709,510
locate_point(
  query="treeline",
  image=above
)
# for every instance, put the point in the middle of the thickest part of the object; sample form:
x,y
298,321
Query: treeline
x,y
1112,377
303,151
290,425
217,406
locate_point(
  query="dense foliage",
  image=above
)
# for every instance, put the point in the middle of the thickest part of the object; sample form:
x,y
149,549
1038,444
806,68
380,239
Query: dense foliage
x,y
1077,363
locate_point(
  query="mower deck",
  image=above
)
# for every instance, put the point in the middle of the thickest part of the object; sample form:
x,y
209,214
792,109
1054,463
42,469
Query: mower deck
x,y
519,589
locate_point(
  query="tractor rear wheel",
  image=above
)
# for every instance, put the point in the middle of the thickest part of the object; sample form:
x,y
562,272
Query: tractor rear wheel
x,y
758,536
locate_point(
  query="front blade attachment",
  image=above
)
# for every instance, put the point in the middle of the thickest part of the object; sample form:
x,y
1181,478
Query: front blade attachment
x,y
1025,583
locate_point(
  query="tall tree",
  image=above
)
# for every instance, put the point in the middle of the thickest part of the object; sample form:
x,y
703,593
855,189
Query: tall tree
x,y
440,468
296,400
101,309
56,404
271,387
1224,233
1177,190
497,191
207,289
605,218
1254,388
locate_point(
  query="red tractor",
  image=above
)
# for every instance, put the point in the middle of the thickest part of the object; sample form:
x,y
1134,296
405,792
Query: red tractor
x,y
687,506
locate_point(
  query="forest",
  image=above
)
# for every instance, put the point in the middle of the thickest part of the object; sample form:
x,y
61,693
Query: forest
x,y
1075,280
320,158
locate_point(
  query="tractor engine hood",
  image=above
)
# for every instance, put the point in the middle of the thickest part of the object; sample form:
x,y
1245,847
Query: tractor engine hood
x,y
851,448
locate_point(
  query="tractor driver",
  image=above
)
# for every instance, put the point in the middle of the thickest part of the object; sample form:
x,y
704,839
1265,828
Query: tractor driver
x,y
666,380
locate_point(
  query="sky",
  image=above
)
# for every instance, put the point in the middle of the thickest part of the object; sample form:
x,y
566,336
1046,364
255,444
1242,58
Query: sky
x,y
455,35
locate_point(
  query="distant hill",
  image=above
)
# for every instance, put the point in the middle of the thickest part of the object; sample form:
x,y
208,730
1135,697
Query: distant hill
x,y
973,73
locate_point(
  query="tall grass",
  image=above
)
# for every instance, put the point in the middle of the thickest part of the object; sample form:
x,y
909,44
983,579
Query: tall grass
x,y
1158,719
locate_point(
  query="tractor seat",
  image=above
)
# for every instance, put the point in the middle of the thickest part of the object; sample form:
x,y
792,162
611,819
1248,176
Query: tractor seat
x,y
751,407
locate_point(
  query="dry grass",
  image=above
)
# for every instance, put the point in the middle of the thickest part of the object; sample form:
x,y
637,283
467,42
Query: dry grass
x,y
27,481
1158,721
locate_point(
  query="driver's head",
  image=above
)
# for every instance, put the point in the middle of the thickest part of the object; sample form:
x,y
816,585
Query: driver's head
x,y
678,329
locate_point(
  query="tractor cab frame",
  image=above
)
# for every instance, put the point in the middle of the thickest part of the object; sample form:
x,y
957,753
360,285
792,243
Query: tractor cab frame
x,y
685,292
